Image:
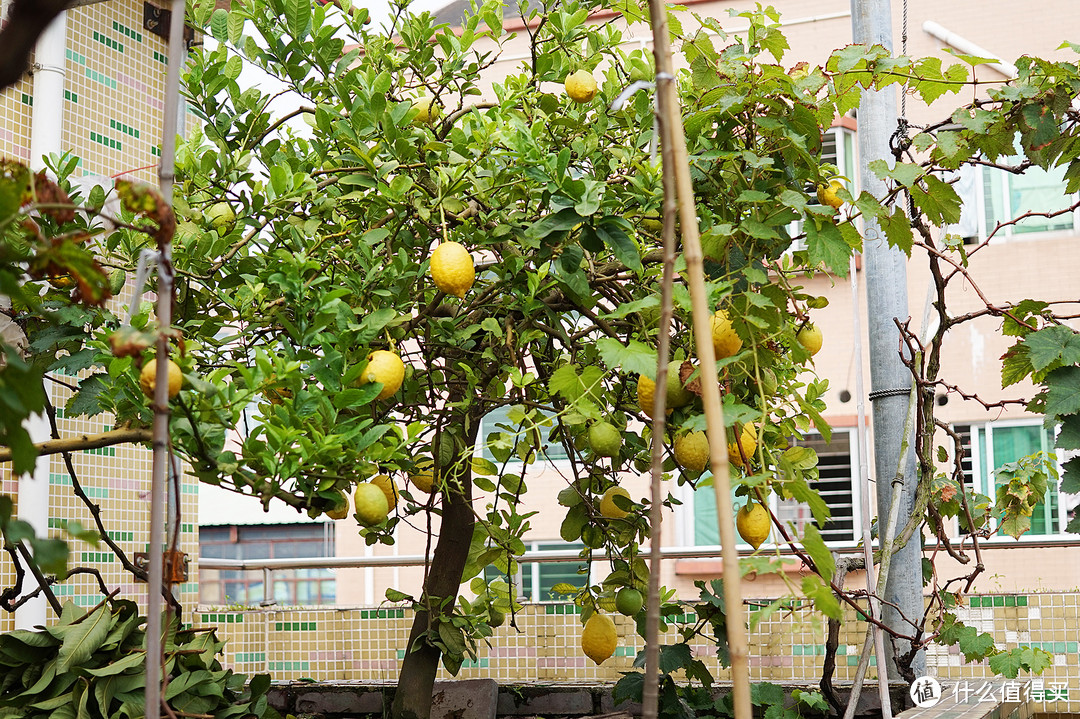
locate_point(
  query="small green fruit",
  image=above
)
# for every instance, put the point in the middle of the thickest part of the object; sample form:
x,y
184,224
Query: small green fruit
x,y
629,601
605,440
677,394
495,618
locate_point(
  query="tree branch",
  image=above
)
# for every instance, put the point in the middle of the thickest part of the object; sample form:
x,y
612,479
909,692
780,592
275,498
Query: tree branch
x,y
84,441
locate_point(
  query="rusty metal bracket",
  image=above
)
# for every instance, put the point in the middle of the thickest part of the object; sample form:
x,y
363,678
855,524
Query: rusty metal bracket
x,y
176,564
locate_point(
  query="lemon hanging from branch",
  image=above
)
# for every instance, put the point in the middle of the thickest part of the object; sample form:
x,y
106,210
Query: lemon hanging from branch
x,y
387,369
452,269
598,638
752,521
580,86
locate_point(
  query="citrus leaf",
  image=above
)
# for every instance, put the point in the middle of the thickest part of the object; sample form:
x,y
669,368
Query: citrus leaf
x,y
822,556
83,639
634,357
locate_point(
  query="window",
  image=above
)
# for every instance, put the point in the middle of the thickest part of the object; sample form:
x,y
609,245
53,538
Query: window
x,y
497,429
291,587
837,463
992,196
535,579
989,446
837,148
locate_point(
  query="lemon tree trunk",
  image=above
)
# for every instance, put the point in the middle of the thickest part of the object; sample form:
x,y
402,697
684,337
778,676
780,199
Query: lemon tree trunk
x,y
412,700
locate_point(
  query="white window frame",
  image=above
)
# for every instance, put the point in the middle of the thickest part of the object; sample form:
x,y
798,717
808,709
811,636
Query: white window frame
x,y
980,197
845,161
982,480
685,519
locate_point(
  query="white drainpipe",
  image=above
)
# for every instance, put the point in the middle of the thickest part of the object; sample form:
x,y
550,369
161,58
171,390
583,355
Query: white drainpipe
x,y
967,47
46,132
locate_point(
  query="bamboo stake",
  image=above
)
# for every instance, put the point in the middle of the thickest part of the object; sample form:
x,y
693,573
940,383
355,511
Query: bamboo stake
x,y
672,137
650,694
159,476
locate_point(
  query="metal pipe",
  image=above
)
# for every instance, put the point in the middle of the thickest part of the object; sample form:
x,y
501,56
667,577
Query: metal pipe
x,y
46,133
159,479
967,47
886,291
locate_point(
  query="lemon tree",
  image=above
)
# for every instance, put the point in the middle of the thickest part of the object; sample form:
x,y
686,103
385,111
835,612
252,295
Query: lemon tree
x,y
411,247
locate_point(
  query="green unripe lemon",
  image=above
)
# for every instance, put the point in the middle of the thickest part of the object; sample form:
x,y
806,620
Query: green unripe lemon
x,y
605,440
629,601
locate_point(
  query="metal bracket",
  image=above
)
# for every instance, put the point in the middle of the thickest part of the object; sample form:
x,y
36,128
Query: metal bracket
x,y
157,20
175,570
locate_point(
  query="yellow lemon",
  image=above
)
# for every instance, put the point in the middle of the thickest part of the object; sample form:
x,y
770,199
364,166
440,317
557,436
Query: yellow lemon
x,y
427,109
148,378
752,521
387,369
810,338
724,340
452,269
826,194
423,478
748,442
386,484
340,509
608,508
580,86
646,389
371,505
692,451
598,638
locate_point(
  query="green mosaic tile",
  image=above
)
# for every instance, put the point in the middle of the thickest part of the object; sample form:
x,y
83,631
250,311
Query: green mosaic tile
x,y
70,96
1021,601
796,650
626,651
1060,647
187,488
103,79
364,614
288,666
86,600
1071,647
852,660
126,129
127,32
1010,601
999,601
26,99
841,649
294,626
161,57
155,151
251,656
187,528
75,57
108,42
97,557
58,478
400,653
60,410
63,589
120,536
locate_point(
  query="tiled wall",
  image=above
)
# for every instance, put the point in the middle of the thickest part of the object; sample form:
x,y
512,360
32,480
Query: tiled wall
x,y
112,121
368,644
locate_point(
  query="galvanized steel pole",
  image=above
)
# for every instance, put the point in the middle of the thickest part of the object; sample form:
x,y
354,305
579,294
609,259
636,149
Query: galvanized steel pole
x,y
886,291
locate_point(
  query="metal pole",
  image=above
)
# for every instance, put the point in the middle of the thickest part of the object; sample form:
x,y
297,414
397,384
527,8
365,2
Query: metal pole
x,y
886,290
159,477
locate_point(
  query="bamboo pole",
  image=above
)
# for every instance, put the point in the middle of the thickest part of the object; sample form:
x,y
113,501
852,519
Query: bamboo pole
x,y
673,139
159,476
650,694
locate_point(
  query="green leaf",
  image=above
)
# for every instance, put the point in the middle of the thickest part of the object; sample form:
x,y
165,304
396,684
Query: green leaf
x,y
937,200
634,357
83,639
822,596
565,219
298,18
904,173
1053,344
1063,391
822,555
799,490
622,245
826,246
897,229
